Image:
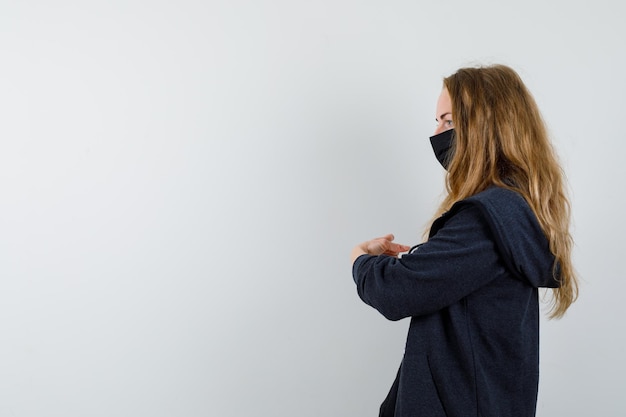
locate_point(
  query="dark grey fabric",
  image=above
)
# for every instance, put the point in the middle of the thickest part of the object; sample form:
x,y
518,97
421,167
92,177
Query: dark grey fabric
x,y
471,291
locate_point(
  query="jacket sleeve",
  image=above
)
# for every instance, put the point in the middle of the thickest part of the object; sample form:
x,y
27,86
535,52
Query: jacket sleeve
x,y
460,258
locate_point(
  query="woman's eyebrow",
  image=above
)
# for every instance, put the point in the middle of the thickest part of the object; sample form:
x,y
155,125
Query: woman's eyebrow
x,y
442,116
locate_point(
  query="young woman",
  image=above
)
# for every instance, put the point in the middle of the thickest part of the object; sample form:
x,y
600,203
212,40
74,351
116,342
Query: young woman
x,y
471,289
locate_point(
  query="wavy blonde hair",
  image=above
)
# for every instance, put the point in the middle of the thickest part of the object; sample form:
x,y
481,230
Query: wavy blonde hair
x,y
502,140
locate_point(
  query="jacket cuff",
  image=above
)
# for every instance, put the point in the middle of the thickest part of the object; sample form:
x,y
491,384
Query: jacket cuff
x,y
357,263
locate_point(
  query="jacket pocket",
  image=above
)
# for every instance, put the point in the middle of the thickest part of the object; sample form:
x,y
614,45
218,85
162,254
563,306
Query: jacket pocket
x,y
436,388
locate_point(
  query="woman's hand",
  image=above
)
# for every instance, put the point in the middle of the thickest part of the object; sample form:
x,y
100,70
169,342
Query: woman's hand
x,y
379,246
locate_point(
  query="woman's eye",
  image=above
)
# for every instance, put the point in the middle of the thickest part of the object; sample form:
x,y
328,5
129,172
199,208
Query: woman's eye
x,y
449,123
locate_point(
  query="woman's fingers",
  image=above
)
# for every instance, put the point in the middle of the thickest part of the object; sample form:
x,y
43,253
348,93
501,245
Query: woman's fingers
x,y
385,246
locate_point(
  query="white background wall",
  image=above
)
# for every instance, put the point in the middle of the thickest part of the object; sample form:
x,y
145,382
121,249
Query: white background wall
x,y
181,184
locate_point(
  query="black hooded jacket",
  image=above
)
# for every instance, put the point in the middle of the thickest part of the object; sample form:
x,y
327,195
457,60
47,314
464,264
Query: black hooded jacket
x,y
471,291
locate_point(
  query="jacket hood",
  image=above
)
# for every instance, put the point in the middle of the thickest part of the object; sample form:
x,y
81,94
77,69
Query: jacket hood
x,y
518,235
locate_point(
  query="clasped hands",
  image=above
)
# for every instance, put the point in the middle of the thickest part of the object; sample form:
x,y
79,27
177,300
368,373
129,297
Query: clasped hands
x,y
379,246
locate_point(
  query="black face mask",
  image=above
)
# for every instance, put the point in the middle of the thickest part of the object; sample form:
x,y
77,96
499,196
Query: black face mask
x,y
442,146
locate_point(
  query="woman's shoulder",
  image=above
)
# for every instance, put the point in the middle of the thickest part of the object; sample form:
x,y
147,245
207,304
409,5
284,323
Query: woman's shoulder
x,y
516,231
501,208
497,202
496,195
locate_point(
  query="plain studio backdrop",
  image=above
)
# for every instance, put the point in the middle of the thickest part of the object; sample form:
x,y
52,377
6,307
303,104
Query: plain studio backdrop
x,y
181,184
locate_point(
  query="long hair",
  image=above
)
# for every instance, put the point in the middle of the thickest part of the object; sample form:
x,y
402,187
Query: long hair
x,y
501,139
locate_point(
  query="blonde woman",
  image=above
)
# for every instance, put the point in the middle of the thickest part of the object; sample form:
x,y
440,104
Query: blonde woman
x,y
471,289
